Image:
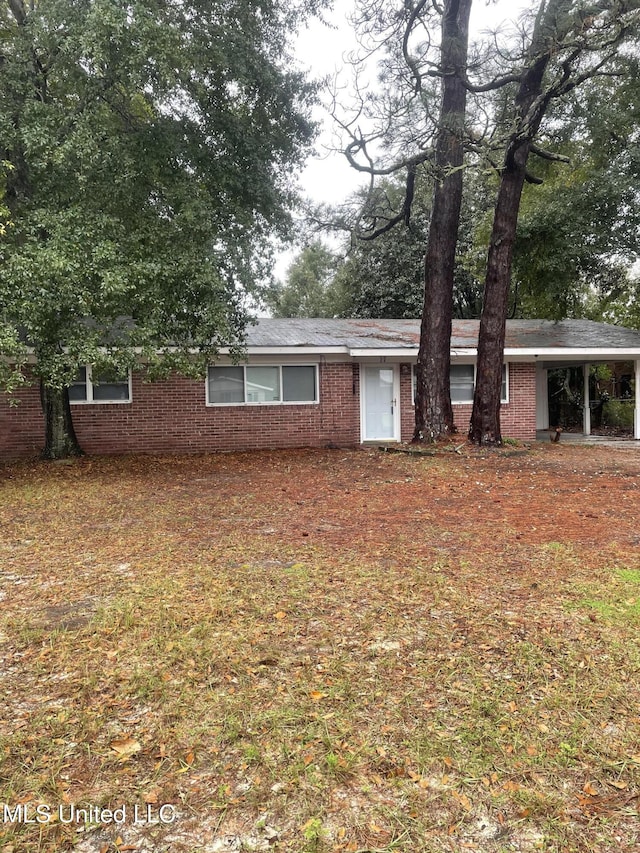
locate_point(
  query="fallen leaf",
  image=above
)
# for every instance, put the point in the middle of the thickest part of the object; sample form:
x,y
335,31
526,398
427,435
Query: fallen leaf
x,y
464,801
125,747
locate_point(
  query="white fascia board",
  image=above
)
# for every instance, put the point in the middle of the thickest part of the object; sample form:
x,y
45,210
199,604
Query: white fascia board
x,y
318,352
404,353
411,353
573,353
517,353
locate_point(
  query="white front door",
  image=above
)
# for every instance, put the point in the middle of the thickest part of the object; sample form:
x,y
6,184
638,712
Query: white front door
x,y
380,411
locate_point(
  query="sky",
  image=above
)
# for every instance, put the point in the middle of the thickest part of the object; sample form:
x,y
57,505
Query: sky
x,y
320,50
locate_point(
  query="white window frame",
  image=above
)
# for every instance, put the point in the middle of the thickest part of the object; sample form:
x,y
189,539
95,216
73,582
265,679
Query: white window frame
x,y
280,402
503,400
90,399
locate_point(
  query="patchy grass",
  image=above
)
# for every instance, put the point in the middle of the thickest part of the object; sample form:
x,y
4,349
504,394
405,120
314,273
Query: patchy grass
x,y
321,651
620,600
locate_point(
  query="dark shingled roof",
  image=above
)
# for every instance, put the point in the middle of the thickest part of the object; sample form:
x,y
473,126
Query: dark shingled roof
x,y
395,334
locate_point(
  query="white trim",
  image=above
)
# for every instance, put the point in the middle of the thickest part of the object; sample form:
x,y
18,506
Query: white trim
x,y
404,353
280,402
408,353
90,401
293,357
396,408
542,398
575,353
586,410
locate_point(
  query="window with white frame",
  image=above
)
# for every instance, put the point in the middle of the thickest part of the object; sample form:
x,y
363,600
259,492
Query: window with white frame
x,y
239,385
462,382
462,379
91,386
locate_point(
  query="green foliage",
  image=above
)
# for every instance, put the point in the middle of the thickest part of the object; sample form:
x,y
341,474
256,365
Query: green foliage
x,y
579,233
146,162
310,289
618,414
384,277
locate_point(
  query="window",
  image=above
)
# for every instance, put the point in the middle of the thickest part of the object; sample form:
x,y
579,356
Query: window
x,y
89,386
262,384
462,379
255,385
504,390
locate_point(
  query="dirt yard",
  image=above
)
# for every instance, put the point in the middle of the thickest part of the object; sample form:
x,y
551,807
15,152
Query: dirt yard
x,y
322,651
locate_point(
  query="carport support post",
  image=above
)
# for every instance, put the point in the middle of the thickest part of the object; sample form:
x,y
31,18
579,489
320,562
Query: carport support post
x,y
636,418
586,416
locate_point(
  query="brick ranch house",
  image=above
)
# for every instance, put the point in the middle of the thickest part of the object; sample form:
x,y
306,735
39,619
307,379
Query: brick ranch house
x,y
309,382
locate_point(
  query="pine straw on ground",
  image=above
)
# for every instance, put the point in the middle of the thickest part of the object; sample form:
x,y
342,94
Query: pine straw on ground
x,y
322,651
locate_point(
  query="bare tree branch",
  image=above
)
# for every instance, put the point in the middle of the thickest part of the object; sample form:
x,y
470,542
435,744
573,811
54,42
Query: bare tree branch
x,y
548,155
411,63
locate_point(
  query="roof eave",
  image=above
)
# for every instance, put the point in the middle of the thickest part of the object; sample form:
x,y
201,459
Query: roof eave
x,y
571,353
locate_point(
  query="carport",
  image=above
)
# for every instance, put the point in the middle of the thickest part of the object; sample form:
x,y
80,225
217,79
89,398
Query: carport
x,y
581,344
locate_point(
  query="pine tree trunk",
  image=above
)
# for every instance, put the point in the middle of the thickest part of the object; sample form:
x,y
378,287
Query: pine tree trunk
x,y
529,109
485,417
433,410
60,437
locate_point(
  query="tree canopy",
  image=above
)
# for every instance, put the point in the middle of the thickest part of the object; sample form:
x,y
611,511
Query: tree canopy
x,y
146,157
310,288
578,233
512,82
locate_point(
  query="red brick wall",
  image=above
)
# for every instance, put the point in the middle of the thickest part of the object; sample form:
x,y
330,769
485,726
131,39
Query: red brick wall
x,y
407,415
517,417
171,416
21,425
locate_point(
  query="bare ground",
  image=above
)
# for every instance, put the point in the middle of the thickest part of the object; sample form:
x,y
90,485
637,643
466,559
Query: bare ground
x,y
322,651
